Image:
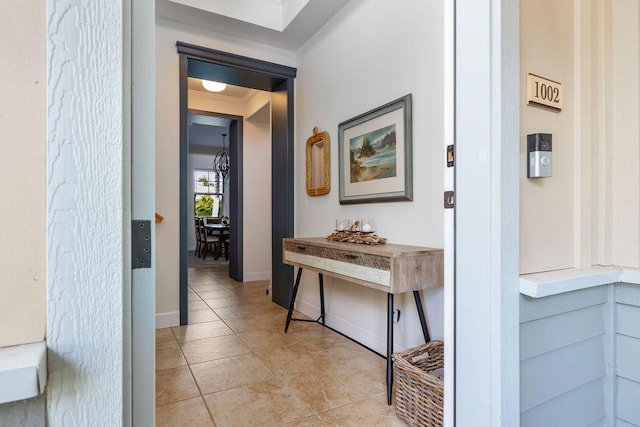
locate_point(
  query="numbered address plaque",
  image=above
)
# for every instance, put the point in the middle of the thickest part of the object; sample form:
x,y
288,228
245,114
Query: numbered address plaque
x,y
544,92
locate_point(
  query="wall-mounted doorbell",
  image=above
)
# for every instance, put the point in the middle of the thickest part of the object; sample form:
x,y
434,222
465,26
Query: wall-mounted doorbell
x,y
539,151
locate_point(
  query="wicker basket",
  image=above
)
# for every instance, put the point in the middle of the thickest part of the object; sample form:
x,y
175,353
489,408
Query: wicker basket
x,y
419,394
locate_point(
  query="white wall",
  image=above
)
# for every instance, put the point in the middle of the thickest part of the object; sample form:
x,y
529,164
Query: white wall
x,y
167,146
370,54
257,195
22,173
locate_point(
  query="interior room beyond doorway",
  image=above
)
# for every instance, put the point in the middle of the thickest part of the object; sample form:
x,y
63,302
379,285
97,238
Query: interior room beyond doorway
x,y
272,154
221,125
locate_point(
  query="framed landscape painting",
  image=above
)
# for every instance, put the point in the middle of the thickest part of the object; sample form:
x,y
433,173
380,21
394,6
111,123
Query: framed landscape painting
x,y
375,160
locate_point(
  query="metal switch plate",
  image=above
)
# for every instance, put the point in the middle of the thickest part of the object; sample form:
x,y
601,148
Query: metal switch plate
x,y
449,200
140,243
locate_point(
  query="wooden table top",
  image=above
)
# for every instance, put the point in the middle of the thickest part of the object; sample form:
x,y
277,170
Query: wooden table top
x,y
390,267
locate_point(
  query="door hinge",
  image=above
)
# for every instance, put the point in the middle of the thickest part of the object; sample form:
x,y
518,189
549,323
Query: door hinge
x,y
448,199
140,243
450,156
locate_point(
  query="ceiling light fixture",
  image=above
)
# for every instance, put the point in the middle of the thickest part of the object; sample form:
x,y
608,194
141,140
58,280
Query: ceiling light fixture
x,y
213,86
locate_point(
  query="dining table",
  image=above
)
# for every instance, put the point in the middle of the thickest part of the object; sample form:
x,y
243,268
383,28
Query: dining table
x,y
222,232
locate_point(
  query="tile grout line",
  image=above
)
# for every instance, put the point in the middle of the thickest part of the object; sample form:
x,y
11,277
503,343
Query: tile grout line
x,y
193,377
249,296
252,351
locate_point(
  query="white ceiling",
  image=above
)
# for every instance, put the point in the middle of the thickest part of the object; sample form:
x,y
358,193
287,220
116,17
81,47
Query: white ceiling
x,y
286,24
273,14
206,131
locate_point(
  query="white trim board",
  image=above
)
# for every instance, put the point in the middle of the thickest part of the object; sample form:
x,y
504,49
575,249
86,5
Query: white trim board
x,y
167,320
23,371
255,276
539,285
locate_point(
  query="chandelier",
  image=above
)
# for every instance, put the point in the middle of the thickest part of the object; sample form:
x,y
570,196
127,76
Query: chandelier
x,y
221,162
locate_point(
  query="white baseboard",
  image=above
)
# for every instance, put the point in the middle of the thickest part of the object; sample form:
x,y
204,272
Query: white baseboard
x,y
367,338
167,320
256,275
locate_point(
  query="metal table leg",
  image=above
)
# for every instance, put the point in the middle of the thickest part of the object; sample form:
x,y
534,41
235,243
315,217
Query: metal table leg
x,y
423,320
321,280
389,347
293,299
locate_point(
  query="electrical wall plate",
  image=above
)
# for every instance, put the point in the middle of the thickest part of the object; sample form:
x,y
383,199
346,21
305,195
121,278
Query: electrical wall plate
x,y
449,201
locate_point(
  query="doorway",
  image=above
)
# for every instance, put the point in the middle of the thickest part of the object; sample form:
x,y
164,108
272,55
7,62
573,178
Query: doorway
x,y
228,190
209,64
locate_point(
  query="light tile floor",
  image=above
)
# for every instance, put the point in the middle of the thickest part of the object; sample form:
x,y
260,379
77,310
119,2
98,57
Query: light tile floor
x,y
233,365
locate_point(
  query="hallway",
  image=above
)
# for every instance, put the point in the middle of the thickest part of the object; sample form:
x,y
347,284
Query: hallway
x,y
234,366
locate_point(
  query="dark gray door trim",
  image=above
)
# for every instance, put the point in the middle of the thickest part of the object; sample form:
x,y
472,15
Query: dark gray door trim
x,y
235,69
282,199
238,70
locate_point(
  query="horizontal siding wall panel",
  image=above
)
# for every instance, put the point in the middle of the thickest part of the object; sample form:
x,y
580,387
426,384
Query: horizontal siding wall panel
x,y
559,412
627,365
623,423
566,350
551,333
628,320
628,404
628,294
549,375
628,359
537,308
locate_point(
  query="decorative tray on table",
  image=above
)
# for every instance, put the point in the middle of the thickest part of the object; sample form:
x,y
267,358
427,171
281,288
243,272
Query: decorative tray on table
x,y
353,235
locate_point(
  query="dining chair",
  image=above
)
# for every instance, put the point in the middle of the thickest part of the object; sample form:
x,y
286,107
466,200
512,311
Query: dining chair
x,y
198,237
209,245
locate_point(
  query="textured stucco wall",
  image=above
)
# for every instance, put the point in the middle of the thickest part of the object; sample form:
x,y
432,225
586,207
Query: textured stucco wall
x,y
85,212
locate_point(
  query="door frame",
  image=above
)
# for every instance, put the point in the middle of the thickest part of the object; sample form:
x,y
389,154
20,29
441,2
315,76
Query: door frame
x,y
201,62
486,100
139,178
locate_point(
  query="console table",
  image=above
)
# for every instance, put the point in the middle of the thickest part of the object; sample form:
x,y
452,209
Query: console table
x,y
390,268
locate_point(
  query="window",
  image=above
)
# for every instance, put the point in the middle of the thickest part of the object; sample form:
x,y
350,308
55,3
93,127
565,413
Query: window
x,y
207,189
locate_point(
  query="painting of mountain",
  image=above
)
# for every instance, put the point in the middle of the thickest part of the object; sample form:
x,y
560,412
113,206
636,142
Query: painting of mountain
x,y
373,155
